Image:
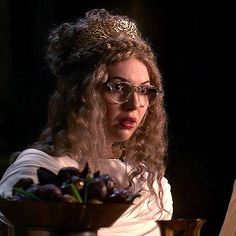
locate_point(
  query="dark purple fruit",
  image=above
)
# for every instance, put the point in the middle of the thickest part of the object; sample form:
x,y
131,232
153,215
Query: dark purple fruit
x,y
96,174
24,194
15,198
66,173
85,172
21,186
96,189
78,183
34,188
23,183
68,198
109,182
19,195
119,196
71,185
46,176
95,201
49,192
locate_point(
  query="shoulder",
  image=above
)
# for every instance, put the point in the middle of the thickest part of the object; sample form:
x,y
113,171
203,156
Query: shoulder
x,y
35,156
165,184
32,153
166,188
26,165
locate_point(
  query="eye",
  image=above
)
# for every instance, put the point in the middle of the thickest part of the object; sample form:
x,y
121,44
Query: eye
x,y
143,90
115,87
121,87
153,90
118,87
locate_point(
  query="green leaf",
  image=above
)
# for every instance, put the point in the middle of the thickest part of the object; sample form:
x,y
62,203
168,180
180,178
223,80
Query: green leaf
x,y
27,194
76,193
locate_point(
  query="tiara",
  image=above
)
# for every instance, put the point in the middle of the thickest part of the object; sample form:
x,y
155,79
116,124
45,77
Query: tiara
x,y
99,25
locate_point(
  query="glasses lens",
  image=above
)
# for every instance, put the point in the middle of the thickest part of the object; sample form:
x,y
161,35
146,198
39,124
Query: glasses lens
x,y
152,94
120,91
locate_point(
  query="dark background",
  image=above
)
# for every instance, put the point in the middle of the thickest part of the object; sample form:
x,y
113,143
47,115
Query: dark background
x,y
193,42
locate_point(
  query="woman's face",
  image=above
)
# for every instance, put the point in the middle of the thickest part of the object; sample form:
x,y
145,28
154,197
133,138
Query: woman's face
x,y
124,118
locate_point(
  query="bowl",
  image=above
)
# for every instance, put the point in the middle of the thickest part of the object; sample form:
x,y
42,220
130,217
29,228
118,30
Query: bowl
x,y
61,216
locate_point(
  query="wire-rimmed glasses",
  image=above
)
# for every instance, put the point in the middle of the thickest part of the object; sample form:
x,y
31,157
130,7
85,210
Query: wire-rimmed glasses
x,y
121,91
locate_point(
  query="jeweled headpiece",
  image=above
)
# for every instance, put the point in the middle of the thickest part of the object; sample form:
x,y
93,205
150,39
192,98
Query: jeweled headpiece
x,y
99,25
91,37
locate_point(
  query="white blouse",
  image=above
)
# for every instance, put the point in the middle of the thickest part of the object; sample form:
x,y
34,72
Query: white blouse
x,y
138,220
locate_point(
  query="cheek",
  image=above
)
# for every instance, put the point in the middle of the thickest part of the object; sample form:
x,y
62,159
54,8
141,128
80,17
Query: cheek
x,y
143,114
111,110
109,113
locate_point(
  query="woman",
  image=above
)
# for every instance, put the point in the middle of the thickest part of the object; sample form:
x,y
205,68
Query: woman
x,y
108,111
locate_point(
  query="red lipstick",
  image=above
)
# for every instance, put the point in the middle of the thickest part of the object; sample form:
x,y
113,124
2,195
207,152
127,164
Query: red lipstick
x,y
128,122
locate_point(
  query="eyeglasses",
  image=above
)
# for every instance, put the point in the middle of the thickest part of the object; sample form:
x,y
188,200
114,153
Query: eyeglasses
x,y
121,91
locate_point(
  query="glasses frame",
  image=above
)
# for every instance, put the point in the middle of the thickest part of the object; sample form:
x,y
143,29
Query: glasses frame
x,y
134,88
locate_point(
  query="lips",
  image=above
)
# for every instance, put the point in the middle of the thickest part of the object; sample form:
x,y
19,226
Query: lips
x,y
128,122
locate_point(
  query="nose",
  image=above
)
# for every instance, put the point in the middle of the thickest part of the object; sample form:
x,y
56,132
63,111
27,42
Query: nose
x,y
133,102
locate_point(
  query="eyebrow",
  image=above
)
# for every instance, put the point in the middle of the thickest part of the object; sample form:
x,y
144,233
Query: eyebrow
x,y
125,80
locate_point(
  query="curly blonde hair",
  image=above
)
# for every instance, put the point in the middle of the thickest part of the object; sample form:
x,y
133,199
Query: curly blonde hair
x,y
77,112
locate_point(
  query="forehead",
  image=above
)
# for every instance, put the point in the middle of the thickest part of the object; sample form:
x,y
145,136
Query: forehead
x,y
132,70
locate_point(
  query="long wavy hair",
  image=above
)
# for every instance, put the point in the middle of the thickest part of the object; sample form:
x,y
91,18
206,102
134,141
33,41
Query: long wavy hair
x,y
77,112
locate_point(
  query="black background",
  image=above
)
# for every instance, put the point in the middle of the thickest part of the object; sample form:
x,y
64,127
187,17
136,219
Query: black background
x,y
194,45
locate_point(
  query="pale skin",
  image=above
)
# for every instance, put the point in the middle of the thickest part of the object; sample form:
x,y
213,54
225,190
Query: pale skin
x,y
123,119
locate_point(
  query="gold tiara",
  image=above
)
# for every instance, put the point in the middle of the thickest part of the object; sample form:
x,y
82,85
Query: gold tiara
x,y
99,25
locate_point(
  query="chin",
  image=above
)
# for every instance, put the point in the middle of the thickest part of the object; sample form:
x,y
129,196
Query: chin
x,y
121,137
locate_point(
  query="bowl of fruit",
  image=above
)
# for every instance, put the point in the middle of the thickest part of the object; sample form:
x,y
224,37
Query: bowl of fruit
x,y
71,200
